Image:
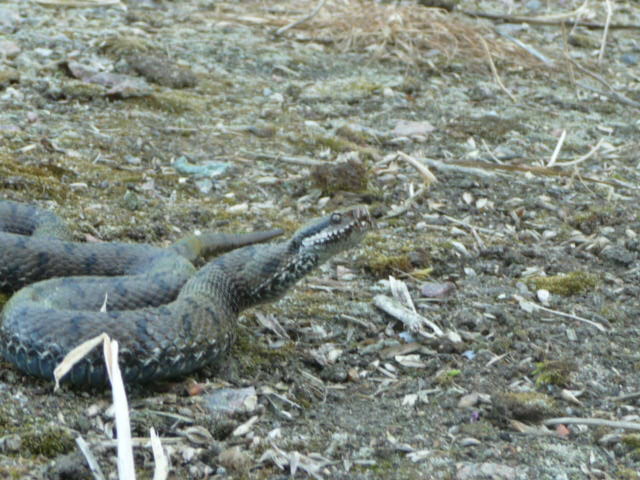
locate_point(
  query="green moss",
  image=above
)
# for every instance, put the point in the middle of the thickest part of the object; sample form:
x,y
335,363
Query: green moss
x,y
528,406
80,90
627,474
383,256
446,378
554,372
632,440
43,179
565,284
253,355
126,45
359,137
50,442
596,216
8,76
502,344
489,127
480,430
173,101
385,265
14,472
336,144
350,176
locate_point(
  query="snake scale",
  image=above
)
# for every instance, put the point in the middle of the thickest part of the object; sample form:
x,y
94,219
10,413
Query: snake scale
x,y
169,318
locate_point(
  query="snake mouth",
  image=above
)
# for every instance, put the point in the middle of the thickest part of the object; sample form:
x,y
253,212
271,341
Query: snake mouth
x,y
336,232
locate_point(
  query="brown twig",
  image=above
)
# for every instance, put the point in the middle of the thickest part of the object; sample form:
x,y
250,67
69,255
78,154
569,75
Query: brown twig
x,y
598,422
607,22
560,20
611,93
311,14
494,70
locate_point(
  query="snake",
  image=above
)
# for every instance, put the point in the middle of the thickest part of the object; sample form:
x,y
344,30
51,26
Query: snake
x,y
168,317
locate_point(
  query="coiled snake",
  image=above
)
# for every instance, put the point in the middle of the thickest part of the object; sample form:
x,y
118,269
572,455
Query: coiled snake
x,y
168,318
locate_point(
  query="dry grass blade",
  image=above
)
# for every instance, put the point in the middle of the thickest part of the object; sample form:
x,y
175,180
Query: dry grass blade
x,y
80,4
409,33
94,466
161,471
598,422
312,14
528,306
560,19
413,321
126,469
583,157
75,355
494,70
605,32
556,151
427,177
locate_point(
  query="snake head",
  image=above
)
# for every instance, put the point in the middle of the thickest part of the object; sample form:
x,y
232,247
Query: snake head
x,y
334,233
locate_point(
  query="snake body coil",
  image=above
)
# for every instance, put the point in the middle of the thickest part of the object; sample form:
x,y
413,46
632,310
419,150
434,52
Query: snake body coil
x,y
168,318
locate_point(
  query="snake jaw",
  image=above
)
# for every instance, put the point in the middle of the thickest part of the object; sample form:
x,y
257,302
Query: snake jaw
x,y
309,247
334,233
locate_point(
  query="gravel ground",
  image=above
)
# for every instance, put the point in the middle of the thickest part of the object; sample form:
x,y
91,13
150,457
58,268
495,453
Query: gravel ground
x,y
147,123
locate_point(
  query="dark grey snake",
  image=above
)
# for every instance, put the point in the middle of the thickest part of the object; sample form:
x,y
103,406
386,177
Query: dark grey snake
x,y
168,318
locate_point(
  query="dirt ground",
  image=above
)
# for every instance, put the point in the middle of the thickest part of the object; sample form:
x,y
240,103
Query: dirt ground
x,y
147,123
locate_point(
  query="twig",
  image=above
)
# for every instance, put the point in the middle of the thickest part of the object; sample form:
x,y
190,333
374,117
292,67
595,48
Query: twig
x,y
607,22
582,158
625,397
396,212
80,4
453,167
362,323
491,154
412,320
423,170
494,70
549,172
529,307
597,422
307,162
612,92
528,48
472,227
556,151
94,466
572,317
561,19
312,14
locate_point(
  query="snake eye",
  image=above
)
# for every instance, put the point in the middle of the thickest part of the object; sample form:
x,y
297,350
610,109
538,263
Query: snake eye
x,y
336,218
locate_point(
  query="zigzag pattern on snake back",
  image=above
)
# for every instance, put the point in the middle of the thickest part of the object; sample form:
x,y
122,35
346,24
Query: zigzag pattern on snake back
x,y
168,318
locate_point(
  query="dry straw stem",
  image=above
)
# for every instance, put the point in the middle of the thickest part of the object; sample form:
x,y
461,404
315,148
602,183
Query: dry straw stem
x,y
80,4
596,422
407,33
311,14
561,19
603,44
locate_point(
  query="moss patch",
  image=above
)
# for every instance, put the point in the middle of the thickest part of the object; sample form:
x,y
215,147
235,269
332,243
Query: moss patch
x,y
526,406
554,372
565,284
49,442
350,176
